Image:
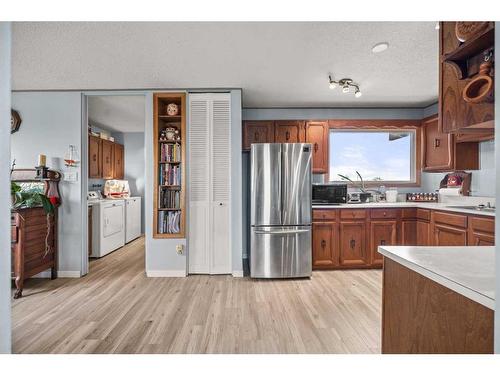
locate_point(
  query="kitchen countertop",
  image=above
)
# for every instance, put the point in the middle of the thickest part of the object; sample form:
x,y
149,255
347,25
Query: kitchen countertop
x,y
467,270
431,206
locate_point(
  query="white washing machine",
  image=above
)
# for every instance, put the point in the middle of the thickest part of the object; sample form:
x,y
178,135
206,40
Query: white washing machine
x,y
108,226
132,218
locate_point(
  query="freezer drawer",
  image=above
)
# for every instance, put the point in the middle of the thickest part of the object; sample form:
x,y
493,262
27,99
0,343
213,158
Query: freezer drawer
x,y
280,252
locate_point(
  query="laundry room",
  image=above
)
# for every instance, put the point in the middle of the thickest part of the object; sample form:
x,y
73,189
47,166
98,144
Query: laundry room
x,y
115,175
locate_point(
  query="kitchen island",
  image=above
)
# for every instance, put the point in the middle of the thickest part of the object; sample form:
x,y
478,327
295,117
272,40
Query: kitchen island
x,y
438,299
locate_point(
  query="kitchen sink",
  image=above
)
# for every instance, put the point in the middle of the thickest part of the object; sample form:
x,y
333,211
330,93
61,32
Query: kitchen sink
x,y
476,208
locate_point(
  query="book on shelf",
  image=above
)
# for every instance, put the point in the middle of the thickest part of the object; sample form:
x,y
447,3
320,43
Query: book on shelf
x,y
169,198
170,174
169,222
170,152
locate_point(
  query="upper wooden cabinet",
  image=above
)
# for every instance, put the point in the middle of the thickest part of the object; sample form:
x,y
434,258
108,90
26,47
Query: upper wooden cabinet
x,y
257,132
459,65
317,135
95,161
106,159
289,131
441,153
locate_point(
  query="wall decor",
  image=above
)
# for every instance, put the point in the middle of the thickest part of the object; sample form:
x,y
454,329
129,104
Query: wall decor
x,y
15,121
172,109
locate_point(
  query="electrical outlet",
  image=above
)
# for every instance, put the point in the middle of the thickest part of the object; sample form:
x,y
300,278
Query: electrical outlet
x,y
179,249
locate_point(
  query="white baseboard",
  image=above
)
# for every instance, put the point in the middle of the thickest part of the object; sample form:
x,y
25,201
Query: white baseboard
x,y
166,273
237,273
69,274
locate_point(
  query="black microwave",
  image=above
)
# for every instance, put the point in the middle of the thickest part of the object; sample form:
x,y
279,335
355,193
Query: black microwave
x,y
329,193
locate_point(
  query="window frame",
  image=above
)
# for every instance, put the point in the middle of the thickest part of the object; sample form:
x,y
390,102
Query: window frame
x,y
413,126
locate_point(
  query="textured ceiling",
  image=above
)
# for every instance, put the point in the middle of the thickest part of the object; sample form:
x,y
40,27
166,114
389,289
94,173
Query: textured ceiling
x,y
276,64
117,113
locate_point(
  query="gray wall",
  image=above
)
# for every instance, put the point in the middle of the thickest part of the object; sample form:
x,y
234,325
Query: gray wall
x,y
51,122
5,294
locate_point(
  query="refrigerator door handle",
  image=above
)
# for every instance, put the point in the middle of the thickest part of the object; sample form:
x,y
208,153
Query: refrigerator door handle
x,y
286,231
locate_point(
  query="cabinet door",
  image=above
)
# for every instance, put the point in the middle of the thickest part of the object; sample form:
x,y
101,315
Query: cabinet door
x,y
317,135
353,250
382,233
481,231
107,159
95,160
409,232
437,147
445,235
423,233
324,250
289,131
119,162
257,132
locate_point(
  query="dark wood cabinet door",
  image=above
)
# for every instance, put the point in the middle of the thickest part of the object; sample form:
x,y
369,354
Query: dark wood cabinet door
x,y
353,251
324,250
423,233
317,135
409,232
481,231
437,147
119,161
289,131
257,132
481,239
107,159
382,233
445,235
95,160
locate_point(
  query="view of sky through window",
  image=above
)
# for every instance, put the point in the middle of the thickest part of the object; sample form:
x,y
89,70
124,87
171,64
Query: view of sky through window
x,y
377,156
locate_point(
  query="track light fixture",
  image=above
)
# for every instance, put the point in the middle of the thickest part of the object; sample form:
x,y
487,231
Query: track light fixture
x,y
346,84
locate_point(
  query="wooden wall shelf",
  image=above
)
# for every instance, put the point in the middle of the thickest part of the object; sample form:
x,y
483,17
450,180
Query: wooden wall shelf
x,y
163,212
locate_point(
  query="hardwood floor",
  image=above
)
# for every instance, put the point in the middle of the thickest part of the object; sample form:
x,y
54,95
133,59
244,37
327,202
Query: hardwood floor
x,y
117,309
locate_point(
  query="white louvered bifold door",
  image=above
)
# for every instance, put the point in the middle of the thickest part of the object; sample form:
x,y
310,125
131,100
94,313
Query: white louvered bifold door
x,y
220,260
199,184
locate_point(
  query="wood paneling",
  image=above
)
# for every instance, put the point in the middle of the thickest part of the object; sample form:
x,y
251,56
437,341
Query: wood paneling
x,y
382,233
353,249
257,132
317,135
324,245
107,159
289,131
118,161
422,316
95,157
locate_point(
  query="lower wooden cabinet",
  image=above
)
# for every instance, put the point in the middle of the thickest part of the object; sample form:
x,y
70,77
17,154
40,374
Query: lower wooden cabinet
x,y
349,238
382,233
325,239
353,249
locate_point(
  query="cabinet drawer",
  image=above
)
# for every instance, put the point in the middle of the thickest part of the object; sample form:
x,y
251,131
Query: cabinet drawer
x,y
409,213
352,214
324,214
423,214
450,219
384,213
482,224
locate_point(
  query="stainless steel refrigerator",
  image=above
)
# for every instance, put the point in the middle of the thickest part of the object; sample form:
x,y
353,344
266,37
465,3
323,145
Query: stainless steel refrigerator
x,y
280,213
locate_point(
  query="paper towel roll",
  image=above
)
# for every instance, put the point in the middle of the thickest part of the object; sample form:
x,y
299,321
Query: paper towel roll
x,y
451,191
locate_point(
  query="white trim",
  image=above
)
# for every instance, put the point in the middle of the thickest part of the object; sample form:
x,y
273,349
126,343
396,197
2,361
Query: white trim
x,y
237,273
69,274
166,273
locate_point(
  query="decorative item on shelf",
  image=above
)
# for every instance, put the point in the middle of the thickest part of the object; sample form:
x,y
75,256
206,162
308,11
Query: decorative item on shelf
x,y
346,84
71,158
467,30
15,121
41,169
170,134
456,183
480,88
172,109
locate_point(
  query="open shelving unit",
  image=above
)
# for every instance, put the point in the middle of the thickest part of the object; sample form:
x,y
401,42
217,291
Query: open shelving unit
x,y
169,209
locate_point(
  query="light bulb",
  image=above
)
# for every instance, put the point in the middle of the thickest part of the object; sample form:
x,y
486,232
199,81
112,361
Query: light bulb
x,y
345,89
358,94
332,85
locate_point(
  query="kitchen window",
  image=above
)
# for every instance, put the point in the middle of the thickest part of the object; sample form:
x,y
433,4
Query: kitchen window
x,y
382,157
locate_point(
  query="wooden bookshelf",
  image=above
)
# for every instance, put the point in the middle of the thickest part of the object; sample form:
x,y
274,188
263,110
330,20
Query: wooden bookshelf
x,y
161,121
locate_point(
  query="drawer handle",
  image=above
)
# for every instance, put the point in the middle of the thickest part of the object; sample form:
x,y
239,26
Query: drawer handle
x,y
437,142
316,147
353,244
287,135
385,213
94,157
382,242
323,243
256,136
